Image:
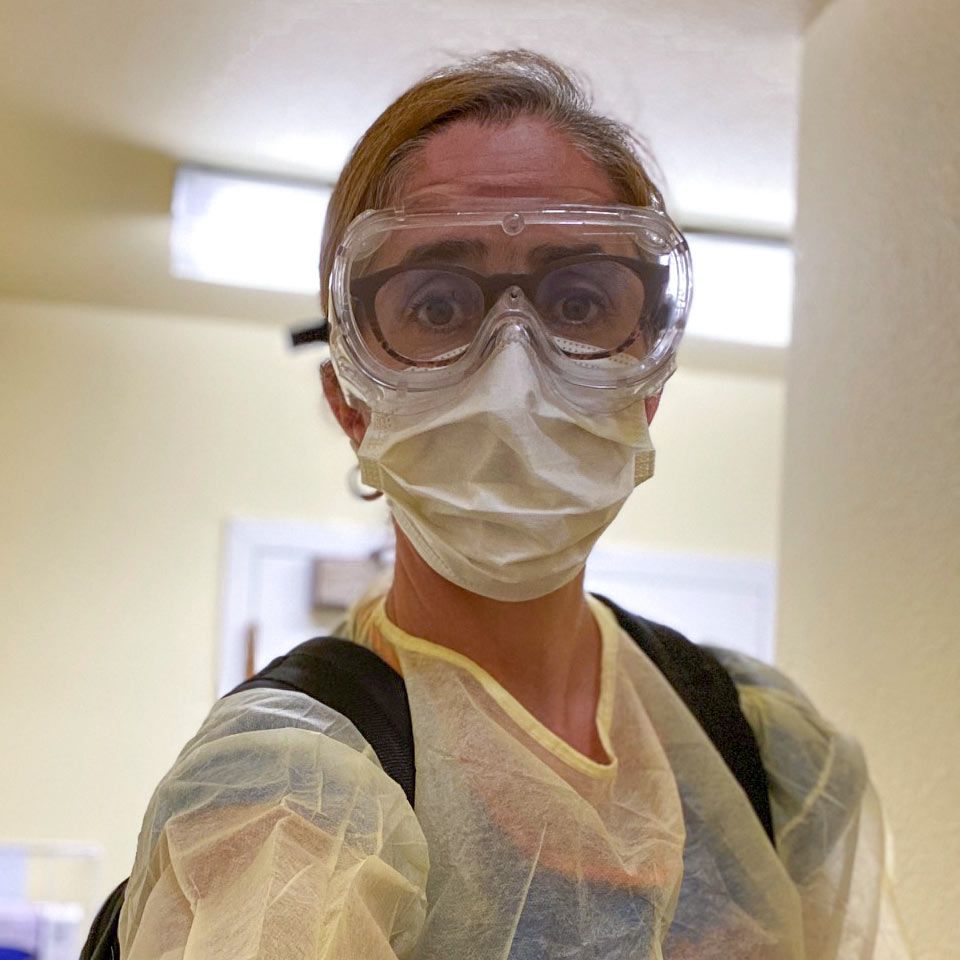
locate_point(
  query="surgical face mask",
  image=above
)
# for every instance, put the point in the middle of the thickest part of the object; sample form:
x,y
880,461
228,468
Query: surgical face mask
x,y
505,488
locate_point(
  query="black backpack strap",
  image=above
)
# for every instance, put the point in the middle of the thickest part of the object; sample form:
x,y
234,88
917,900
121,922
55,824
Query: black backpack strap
x,y
353,681
711,696
103,941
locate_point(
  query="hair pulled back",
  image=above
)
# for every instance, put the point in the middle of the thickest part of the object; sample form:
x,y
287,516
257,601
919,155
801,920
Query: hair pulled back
x,y
495,88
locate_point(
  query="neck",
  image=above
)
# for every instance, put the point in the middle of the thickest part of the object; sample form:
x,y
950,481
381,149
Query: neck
x,y
545,652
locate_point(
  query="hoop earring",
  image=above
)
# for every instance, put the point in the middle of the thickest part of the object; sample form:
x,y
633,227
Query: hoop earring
x,y
357,487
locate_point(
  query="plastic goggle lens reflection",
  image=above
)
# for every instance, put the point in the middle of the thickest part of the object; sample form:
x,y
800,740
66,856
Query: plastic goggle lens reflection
x,y
425,314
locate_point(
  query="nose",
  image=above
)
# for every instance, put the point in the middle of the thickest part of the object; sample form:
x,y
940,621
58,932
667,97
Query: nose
x,y
512,297
511,318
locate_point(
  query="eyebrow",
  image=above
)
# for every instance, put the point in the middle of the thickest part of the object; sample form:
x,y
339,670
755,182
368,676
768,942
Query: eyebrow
x,y
459,251
546,252
446,251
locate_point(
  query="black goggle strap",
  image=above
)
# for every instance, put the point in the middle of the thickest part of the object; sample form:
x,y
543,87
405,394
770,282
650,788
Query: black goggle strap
x,y
317,332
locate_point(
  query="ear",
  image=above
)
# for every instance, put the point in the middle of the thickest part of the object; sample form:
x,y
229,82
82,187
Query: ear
x,y
351,420
650,404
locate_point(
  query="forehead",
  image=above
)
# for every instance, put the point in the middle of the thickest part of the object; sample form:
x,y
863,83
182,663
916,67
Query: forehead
x,y
525,158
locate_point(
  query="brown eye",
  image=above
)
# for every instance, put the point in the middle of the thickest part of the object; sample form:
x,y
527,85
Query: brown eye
x,y
426,312
597,303
434,311
577,308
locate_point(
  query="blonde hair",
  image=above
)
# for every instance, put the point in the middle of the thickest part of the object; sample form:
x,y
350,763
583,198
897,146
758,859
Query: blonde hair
x,y
496,88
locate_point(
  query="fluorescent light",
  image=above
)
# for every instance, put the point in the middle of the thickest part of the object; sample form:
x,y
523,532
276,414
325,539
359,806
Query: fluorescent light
x,y
742,290
245,231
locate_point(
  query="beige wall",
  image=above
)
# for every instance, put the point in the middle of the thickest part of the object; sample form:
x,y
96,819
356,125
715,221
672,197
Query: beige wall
x,y
870,565
128,439
716,491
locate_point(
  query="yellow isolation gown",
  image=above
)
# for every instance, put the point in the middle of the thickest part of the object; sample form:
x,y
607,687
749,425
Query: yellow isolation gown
x,y
277,835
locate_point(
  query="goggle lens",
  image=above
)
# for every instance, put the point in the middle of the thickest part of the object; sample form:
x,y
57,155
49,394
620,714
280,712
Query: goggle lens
x,y
427,315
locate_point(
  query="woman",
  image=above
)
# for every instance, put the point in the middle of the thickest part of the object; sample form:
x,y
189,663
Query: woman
x,y
500,334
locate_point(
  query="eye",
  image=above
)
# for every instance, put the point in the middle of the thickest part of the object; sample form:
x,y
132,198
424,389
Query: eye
x,y
424,313
577,307
572,302
435,307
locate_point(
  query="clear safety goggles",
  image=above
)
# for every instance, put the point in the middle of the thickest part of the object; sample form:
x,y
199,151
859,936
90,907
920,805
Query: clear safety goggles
x,y
421,299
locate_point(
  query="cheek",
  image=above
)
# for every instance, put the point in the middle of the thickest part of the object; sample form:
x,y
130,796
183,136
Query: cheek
x,y
353,422
358,428
650,405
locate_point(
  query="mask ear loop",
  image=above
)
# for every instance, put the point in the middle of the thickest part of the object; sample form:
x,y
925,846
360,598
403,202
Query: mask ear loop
x,y
358,488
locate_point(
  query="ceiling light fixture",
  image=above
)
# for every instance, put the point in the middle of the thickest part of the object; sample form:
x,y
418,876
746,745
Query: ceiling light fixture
x,y
742,289
246,231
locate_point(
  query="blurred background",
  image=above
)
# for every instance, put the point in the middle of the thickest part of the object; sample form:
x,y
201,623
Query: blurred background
x,y
174,500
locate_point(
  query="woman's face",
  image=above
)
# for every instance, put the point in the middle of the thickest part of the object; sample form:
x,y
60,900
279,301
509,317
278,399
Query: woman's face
x,y
526,158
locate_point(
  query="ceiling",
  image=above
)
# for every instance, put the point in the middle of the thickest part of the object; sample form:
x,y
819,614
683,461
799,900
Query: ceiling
x,y
101,99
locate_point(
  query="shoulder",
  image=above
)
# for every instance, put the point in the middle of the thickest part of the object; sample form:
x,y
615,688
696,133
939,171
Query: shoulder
x,y
817,774
275,791
264,747
266,753
262,709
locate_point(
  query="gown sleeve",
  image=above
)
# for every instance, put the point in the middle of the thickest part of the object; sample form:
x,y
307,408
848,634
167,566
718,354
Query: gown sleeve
x,y
276,835
827,818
